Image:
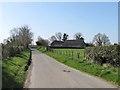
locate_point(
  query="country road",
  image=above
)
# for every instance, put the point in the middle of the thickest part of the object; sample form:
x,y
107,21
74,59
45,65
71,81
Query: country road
x,y
48,73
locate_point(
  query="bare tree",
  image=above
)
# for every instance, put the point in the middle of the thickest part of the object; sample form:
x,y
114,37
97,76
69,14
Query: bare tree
x,y
53,38
25,35
19,39
14,34
105,40
21,36
39,38
47,42
65,37
39,41
42,42
101,39
59,36
78,36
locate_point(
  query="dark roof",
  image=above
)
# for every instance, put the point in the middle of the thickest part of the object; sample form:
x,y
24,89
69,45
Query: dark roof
x,y
56,43
69,43
74,41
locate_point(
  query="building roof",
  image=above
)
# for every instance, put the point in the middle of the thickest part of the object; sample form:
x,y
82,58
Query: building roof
x,y
69,43
74,43
56,43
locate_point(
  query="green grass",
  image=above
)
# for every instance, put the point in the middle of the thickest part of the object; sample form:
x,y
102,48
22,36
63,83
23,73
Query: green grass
x,y
13,74
41,49
69,52
107,73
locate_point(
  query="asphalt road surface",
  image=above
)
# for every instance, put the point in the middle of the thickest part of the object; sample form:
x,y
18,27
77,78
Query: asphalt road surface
x,y
49,73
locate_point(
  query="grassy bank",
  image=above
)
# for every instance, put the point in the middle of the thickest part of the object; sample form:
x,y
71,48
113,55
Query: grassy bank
x,y
107,73
13,70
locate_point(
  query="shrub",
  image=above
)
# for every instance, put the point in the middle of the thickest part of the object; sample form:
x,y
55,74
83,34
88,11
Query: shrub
x,y
104,54
9,51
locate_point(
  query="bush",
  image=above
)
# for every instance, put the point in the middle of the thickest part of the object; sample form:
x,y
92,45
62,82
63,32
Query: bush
x,y
104,54
9,51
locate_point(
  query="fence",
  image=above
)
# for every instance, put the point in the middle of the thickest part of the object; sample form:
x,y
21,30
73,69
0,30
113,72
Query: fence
x,y
109,55
71,53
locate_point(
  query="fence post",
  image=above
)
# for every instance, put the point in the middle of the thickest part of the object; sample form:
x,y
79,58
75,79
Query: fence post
x,y
69,53
84,54
72,54
66,52
78,55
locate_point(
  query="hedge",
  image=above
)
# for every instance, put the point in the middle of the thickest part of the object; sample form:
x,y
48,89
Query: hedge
x,y
8,51
104,54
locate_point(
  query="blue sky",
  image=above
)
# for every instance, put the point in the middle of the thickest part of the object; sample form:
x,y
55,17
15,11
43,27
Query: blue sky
x,y
45,19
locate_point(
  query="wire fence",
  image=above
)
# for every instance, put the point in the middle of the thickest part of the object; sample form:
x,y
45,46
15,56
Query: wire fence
x,y
71,53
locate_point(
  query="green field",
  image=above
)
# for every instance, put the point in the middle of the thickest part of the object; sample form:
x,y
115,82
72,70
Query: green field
x,y
13,74
65,56
71,53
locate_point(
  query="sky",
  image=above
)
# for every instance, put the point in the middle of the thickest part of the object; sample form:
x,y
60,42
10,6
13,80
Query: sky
x,y
47,18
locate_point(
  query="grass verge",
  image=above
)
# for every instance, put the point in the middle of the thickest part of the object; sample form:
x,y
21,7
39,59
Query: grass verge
x,y
108,73
13,71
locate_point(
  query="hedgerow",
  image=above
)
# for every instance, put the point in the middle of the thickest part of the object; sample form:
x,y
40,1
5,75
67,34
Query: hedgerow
x,y
104,54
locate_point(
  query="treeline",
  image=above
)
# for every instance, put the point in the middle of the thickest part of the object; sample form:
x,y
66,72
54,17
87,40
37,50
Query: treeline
x,y
98,40
19,40
57,37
